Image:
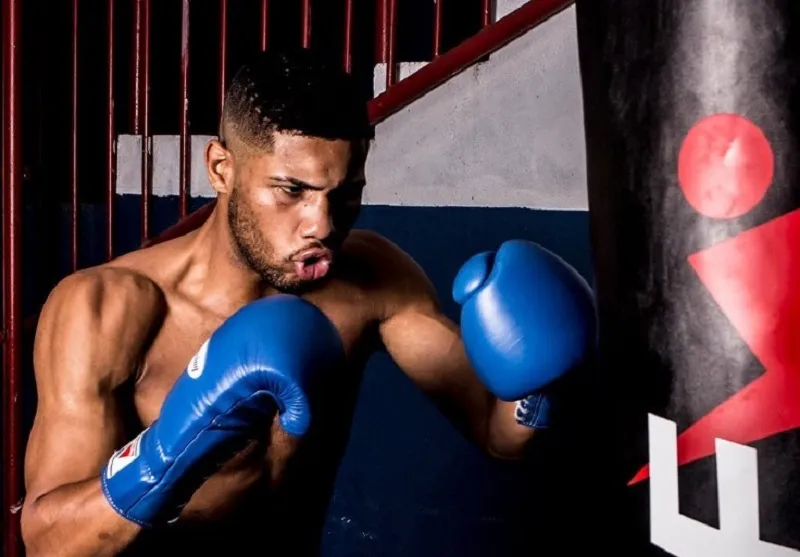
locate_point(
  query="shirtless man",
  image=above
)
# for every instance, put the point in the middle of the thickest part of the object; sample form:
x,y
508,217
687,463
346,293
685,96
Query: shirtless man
x,y
195,396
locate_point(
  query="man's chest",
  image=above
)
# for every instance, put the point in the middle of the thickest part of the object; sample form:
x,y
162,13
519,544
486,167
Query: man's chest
x,y
268,460
186,327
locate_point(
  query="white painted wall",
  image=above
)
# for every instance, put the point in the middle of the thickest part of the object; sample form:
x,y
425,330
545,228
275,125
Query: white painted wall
x,y
505,133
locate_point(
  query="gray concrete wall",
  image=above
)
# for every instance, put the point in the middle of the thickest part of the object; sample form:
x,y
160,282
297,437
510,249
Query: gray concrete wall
x,y
505,133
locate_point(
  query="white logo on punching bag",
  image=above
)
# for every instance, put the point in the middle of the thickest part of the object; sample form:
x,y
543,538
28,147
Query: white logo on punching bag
x,y
737,484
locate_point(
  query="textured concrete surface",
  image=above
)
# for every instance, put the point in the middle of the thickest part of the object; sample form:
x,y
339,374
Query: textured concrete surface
x,y
505,133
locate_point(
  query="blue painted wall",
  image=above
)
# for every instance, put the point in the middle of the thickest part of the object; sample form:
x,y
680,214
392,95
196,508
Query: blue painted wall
x,y
409,484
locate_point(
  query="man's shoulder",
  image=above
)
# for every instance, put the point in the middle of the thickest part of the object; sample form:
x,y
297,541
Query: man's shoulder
x,y
372,255
100,318
369,241
390,271
109,284
372,247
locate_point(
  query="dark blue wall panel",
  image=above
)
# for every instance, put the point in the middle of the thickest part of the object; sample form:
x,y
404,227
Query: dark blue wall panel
x,y
409,484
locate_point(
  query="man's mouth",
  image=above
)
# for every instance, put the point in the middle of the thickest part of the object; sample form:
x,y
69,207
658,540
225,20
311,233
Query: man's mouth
x,y
312,264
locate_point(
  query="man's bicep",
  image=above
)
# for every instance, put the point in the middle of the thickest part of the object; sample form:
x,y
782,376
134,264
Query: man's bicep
x,y
419,337
426,345
82,353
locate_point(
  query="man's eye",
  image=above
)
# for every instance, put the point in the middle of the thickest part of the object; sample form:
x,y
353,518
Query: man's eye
x,y
294,191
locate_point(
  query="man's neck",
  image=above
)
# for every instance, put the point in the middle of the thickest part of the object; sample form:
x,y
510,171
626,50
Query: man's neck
x,y
218,277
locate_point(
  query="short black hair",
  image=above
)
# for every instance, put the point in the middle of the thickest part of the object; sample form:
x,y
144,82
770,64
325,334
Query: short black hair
x,y
294,92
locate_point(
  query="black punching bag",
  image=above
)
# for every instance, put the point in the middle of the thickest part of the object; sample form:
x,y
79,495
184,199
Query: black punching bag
x,y
692,114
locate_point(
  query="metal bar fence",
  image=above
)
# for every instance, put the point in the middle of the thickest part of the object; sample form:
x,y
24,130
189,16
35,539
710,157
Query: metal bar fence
x,y
143,75
12,276
185,139
75,203
486,13
348,36
437,28
111,134
398,93
223,53
264,24
306,37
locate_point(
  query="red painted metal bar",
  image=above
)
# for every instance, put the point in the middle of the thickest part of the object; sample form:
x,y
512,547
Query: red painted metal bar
x,y
348,36
75,208
458,59
111,163
223,52
144,113
306,23
437,28
12,491
486,13
136,64
390,21
381,38
264,24
185,138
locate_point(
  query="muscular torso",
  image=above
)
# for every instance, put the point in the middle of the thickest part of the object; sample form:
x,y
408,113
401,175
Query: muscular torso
x,y
279,483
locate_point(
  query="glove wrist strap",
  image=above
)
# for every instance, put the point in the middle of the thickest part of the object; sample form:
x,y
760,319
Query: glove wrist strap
x,y
533,411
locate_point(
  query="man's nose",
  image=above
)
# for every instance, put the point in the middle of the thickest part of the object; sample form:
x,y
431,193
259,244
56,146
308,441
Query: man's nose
x,y
317,222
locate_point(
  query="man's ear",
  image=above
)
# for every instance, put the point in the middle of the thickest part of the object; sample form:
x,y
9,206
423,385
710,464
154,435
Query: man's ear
x,y
219,166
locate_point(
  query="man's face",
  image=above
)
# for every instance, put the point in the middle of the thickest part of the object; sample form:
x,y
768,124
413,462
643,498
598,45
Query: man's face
x,y
291,208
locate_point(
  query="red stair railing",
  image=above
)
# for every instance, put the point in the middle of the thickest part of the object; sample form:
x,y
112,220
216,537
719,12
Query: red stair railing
x,y
443,67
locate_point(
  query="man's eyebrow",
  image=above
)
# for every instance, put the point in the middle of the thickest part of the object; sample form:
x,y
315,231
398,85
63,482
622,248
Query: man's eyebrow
x,y
295,182
359,183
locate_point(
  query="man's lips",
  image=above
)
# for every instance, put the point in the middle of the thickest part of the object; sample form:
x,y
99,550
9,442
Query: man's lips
x,y
312,264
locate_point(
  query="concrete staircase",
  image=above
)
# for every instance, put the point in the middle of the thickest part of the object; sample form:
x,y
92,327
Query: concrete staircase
x,y
500,9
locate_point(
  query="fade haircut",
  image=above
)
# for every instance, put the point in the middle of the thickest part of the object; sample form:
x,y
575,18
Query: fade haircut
x,y
292,92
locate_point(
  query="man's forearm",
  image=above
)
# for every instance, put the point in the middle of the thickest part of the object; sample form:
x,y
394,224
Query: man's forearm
x,y
75,520
506,435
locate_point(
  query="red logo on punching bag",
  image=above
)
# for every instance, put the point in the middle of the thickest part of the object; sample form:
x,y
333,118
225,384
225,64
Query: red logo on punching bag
x,y
725,167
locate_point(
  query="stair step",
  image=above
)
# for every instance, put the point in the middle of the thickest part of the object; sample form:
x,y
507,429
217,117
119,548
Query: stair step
x,y
504,7
405,69
501,8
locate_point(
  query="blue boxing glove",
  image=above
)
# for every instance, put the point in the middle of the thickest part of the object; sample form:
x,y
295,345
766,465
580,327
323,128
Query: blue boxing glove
x,y
259,361
527,318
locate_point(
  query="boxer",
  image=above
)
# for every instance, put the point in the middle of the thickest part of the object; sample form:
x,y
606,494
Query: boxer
x,y
195,396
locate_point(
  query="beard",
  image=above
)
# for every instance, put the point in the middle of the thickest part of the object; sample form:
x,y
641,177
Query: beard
x,y
256,252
